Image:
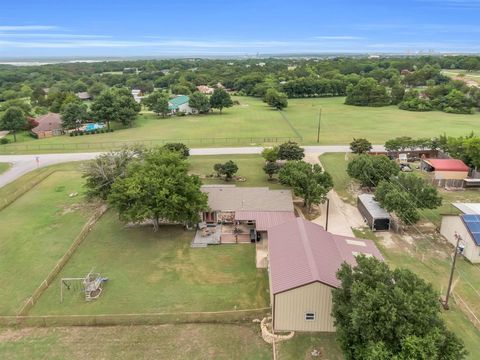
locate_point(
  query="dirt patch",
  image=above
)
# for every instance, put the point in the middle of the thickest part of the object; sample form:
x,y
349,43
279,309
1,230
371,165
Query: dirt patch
x,y
386,239
12,335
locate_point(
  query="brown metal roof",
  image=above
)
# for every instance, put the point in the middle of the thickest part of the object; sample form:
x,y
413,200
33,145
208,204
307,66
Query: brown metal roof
x,y
48,122
265,220
301,252
228,197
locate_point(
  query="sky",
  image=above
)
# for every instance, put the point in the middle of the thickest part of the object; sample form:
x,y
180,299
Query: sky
x,y
118,28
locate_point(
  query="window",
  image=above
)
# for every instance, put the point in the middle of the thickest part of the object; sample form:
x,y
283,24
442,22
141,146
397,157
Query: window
x,y
310,316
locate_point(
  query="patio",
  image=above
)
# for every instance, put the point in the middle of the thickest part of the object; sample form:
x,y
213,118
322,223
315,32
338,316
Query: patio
x,y
222,234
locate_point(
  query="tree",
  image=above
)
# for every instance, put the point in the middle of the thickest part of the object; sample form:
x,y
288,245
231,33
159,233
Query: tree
x,y
157,102
369,170
360,146
102,172
290,151
367,92
308,181
405,195
458,103
276,99
115,105
389,315
270,154
200,102
271,168
227,169
182,149
73,114
158,187
397,94
220,99
13,120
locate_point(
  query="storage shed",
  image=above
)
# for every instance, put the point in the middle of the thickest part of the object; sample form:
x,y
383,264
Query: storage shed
x,y
303,262
374,215
449,169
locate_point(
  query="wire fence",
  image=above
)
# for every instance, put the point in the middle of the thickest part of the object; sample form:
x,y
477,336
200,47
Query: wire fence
x,y
31,301
31,146
220,317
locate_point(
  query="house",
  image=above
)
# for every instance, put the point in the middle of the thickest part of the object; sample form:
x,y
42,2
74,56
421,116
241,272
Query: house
x,y
373,214
445,168
180,104
48,125
242,214
137,95
83,95
204,89
467,226
303,261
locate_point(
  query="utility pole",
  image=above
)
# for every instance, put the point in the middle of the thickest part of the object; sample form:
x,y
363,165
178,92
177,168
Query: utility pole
x,y
326,220
319,120
447,297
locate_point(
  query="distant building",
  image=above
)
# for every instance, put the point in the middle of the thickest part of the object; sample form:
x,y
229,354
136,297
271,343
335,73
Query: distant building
x,y
204,89
83,95
180,104
137,95
466,226
48,125
303,262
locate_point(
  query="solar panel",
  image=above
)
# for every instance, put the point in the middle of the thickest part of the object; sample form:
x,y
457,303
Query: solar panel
x,y
472,222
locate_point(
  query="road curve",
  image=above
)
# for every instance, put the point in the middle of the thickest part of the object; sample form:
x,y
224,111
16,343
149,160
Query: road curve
x,y
22,164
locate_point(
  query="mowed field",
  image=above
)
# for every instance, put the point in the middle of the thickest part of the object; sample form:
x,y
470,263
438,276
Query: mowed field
x,y
36,230
253,122
468,75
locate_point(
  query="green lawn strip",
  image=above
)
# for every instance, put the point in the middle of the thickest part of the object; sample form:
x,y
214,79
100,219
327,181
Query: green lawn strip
x,y
336,165
249,166
175,342
435,269
302,345
36,231
158,272
4,167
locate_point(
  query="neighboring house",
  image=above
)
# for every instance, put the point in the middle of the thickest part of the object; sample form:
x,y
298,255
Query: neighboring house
x,y
180,104
48,125
137,95
373,214
467,226
243,214
449,169
303,261
83,95
204,89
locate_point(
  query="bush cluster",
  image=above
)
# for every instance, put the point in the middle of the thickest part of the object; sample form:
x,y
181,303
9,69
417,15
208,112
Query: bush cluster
x,y
81,132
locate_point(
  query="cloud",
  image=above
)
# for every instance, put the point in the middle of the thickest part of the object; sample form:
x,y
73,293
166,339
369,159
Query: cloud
x,y
27,27
53,36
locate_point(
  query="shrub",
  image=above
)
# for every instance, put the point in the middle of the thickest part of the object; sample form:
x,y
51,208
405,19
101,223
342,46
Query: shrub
x,y
4,141
71,134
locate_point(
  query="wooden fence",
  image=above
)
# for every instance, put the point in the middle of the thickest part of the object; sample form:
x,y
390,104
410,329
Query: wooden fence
x,y
27,306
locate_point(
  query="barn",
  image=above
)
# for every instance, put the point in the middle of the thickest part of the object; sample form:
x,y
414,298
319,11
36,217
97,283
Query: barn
x,y
449,169
303,261
374,215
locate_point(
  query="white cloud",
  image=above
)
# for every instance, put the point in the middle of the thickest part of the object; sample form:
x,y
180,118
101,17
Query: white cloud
x,y
27,27
339,37
53,36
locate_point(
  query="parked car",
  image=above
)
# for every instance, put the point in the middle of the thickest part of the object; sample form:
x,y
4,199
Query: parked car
x,y
405,167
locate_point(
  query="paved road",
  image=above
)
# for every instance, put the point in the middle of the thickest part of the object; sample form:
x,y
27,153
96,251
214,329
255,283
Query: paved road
x,y
22,164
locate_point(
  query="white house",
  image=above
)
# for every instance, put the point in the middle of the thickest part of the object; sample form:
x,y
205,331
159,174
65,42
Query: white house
x,y
180,104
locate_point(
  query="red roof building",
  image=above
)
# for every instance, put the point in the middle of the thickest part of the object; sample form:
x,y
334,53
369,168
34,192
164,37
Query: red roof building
x,y
450,169
303,262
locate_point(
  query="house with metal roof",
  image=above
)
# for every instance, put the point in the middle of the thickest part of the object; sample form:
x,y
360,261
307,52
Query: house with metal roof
x,y
445,168
373,214
465,225
179,104
303,262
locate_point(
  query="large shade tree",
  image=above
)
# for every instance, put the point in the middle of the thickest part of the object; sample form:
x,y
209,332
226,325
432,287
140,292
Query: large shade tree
x,y
157,102
13,120
220,99
390,315
200,102
73,114
308,181
369,170
158,187
115,105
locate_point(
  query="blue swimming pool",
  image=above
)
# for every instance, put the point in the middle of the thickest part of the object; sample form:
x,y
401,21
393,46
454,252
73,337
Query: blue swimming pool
x,y
95,126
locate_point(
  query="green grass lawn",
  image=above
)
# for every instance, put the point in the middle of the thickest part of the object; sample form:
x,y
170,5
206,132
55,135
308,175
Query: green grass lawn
x,y
158,272
173,342
469,75
256,123
302,345
4,167
36,231
336,165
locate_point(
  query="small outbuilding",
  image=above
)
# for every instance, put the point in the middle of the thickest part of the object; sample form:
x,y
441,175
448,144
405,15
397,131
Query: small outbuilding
x,y
373,214
466,226
48,125
448,169
303,262
180,104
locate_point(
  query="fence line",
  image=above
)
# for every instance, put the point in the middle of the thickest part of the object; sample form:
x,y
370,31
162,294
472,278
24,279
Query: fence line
x,y
27,306
225,317
12,197
294,129
107,145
